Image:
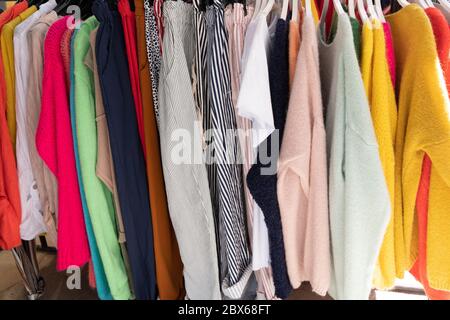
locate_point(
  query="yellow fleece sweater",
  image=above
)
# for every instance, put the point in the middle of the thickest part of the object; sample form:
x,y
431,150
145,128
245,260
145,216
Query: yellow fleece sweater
x,y
7,51
383,109
366,64
423,126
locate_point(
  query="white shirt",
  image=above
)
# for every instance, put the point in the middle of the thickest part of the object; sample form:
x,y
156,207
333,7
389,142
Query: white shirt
x,y
254,103
32,220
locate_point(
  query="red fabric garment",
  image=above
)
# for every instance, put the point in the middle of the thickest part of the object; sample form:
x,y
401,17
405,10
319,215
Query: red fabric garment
x,y
319,4
157,7
5,17
66,56
419,270
390,54
91,275
10,209
129,29
442,36
65,52
329,16
54,143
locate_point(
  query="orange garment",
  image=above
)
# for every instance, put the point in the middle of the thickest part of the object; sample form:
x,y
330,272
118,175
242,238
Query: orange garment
x,y
7,50
419,270
10,210
5,17
169,268
294,46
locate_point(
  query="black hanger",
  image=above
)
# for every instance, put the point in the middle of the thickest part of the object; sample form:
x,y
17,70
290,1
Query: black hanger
x,y
41,2
37,3
33,3
61,7
86,8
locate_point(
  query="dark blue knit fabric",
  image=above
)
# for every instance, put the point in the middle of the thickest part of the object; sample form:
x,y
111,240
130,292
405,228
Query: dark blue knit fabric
x,y
264,187
126,149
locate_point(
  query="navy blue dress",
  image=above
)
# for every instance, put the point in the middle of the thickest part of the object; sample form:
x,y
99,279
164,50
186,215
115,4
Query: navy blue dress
x,y
263,187
126,149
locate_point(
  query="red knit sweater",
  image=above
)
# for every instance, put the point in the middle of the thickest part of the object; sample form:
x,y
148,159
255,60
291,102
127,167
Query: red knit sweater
x,y
419,270
55,145
10,211
129,28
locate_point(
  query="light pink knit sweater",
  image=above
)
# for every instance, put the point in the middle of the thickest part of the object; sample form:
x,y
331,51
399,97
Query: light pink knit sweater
x,y
302,173
55,145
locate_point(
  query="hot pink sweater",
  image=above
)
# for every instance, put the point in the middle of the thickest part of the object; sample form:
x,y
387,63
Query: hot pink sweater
x,y
55,145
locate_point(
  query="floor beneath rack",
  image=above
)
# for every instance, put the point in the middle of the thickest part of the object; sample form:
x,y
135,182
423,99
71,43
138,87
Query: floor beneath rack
x,y
11,285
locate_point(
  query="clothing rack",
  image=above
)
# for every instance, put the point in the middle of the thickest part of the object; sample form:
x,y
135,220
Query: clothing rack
x,y
25,255
377,201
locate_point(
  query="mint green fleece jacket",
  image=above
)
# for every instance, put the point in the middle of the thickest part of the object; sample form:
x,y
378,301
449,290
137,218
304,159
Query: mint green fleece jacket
x,y
359,204
98,197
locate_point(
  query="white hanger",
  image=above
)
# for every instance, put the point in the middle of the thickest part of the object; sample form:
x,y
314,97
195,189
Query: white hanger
x,y
323,15
338,7
371,10
284,10
351,8
295,10
379,10
263,5
362,11
422,3
308,9
257,8
403,3
265,10
445,4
